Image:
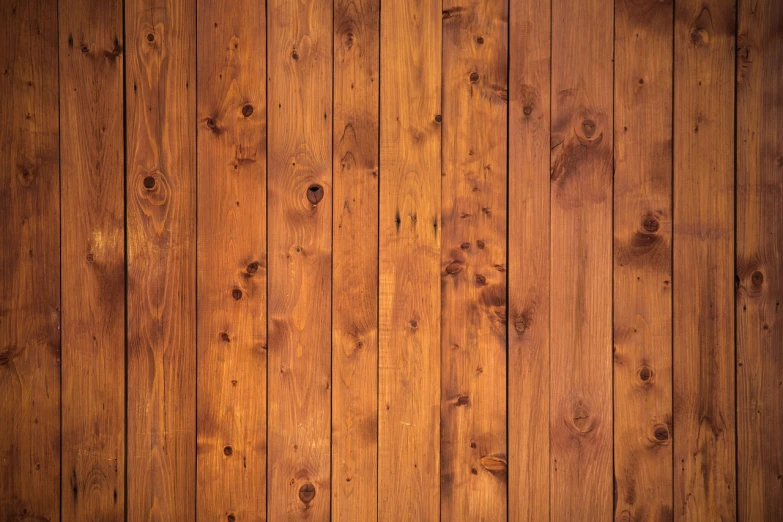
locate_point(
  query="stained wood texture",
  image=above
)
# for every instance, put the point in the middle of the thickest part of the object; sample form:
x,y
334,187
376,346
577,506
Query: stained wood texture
x,y
473,261
410,271
759,262
528,260
704,448
300,258
161,252
232,346
92,163
581,261
29,263
642,260
355,269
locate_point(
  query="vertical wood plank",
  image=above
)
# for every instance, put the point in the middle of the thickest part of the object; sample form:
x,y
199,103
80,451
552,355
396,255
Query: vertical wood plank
x,y
161,251
29,263
759,262
410,228
528,259
232,346
473,261
93,260
300,260
704,445
355,270
581,267
642,260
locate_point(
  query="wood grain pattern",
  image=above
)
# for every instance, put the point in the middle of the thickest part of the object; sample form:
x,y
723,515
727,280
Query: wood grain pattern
x,y
410,229
161,252
759,261
232,346
528,259
703,307
300,258
473,261
29,263
581,261
92,163
355,269
642,260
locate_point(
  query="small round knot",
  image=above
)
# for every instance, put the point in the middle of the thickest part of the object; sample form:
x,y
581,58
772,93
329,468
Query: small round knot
x,y
519,325
438,118
231,518
757,278
453,267
480,280
650,224
661,433
252,268
315,193
236,293
90,257
528,110
295,55
588,127
247,110
224,337
414,323
465,246
474,77
645,373
150,37
480,244
85,49
228,451
480,40
211,125
307,493
149,183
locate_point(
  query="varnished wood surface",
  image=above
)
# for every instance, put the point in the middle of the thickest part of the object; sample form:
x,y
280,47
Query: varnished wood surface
x,y
373,260
642,260
30,318
232,345
92,162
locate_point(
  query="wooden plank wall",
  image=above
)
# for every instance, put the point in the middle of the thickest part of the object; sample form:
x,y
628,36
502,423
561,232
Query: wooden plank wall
x,y
391,260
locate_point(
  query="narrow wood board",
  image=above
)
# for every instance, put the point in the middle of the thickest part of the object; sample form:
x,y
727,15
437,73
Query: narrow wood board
x,y
703,307
300,258
473,261
93,260
642,260
161,252
759,262
528,260
410,229
29,263
232,347
355,269
581,261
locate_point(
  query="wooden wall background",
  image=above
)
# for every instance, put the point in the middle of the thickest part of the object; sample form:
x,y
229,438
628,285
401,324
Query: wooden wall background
x,y
403,260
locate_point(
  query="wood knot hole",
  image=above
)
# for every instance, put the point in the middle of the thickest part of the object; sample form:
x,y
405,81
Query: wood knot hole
x,y
438,118
231,518
480,40
228,451
528,110
661,433
247,110
252,268
474,77
236,293
315,193
307,493
757,278
150,37
149,183
645,373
